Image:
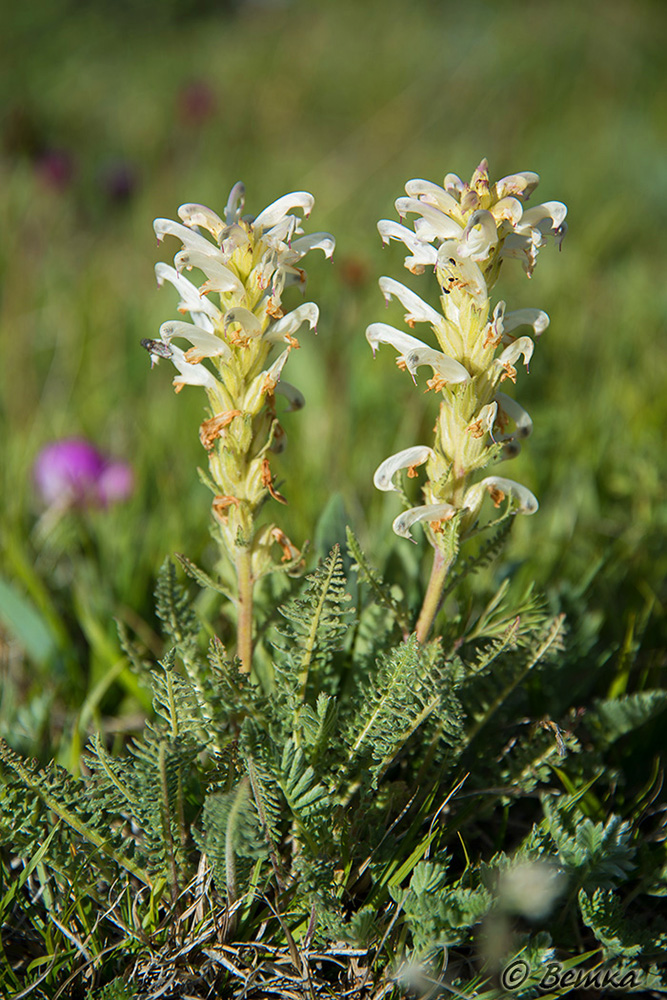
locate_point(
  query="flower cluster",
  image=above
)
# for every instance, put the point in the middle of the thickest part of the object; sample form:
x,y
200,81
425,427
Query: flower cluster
x,y
464,232
247,263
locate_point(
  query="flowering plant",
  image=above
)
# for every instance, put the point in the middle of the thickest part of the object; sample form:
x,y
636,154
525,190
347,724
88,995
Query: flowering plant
x,y
248,263
464,232
299,831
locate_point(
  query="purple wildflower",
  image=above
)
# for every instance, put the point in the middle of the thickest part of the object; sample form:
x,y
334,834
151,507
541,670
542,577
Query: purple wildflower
x,y
72,472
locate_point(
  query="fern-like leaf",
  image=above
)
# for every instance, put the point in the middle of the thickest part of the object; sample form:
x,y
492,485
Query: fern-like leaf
x,y
174,609
404,690
380,590
316,627
614,717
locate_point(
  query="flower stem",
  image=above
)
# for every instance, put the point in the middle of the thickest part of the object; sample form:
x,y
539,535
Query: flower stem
x,y
244,626
433,595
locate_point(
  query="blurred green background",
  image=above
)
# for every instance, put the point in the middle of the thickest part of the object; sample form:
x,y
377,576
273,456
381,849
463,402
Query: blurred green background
x,y
115,114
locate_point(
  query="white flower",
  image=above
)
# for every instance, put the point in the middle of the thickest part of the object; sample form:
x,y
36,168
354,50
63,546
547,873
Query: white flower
x,y
203,312
220,277
460,274
448,369
431,512
409,458
287,325
433,194
432,224
190,373
505,362
206,344
499,489
418,310
278,211
383,333
479,236
522,419
537,318
423,254
519,185
531,888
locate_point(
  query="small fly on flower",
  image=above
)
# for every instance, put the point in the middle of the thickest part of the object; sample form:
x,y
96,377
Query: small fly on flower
x,y
157,349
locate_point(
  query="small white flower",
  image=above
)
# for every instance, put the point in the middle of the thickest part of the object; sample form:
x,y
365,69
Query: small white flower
x,y
537,318
522,419
531,888
499,489
483,423
431,512
190,374
418,310
547,218
314,241
278,210
505,361
433,194
479,236
206,344
188,237
448,369
508,211
518,185
432,224
201,309
287,325
423,254
383,333
409,458
220,278
240,316
199,215
457,273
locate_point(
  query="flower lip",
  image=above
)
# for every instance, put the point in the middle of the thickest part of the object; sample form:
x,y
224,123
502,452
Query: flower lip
x,y
220,277
448,368
433,223
432,194
519,185
235,203
199,215
188,237
383,333
521,346
427,512
190,373
456,271
477,243
202,310
499,488
418,310
278,210
522,419
537,318
406,459
547,217
206,344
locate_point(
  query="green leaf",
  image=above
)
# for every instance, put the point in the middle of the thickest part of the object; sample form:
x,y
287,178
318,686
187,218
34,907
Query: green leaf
x,y
614,717
22,620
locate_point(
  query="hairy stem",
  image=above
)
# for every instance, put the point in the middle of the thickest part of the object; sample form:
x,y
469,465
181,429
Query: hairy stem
x,y
433,595
246,583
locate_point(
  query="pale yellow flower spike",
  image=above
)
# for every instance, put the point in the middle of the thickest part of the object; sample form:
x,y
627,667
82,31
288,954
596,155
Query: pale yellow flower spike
x,y
464,232
246,264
